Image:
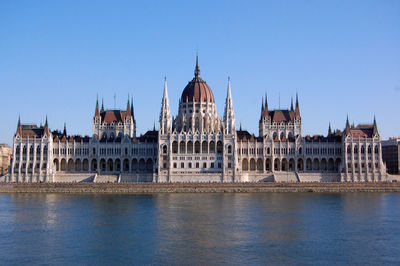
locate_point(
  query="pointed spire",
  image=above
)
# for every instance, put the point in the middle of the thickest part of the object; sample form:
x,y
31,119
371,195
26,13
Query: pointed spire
x,y
19,121
262,105
96,111
329,129
165,114
128,108
297,111
197,68
46,123
375,130
347,129
65,129
264,110
229,114
102,105
154,126
132,112
240,127
291,104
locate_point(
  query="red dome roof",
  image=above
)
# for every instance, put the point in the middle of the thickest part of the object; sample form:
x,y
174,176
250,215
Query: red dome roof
x,y
197,89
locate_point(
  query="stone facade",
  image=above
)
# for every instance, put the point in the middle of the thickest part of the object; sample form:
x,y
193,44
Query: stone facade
x,y
5,158
198,146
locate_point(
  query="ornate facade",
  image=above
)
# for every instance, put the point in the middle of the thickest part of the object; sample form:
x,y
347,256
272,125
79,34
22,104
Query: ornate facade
x,y
197,146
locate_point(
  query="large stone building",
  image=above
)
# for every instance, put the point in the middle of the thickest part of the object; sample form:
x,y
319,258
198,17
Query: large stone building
x,y
197,145
5,157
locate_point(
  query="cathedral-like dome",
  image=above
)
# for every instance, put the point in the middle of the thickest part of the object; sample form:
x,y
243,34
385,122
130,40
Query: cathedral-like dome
x,y
197,89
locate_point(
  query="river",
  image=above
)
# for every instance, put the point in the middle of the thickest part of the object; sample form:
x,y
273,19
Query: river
x,y
264,228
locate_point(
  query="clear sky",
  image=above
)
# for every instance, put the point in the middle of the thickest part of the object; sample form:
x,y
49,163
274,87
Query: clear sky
x,y
343,57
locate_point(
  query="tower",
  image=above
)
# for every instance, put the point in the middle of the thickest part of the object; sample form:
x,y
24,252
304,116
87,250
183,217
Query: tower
x,y
165,114
229,114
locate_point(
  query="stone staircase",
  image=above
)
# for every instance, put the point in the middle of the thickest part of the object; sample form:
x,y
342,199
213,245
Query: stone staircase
x,y
106,179
74,177
286,177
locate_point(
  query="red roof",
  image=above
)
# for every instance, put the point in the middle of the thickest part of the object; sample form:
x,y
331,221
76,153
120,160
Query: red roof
x,y
279,116
361,133
110,116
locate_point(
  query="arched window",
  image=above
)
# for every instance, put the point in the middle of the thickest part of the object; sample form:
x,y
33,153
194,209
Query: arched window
x,y
369,149
376,149
268,150
174,147
362,150
355,149
219,147
348,149
229,149
300,150
164,149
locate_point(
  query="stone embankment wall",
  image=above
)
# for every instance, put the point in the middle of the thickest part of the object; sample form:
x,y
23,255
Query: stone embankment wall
x,y
197,187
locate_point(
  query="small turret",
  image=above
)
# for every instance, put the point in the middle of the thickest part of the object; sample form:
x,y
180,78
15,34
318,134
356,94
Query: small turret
x,y
65,129
291,104
97,112
102,105
375,129
347,129
128,108
297,111
329,129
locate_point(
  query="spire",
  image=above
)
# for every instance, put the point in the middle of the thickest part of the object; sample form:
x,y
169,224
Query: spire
x,y
19,121
264,110
65,129
102,105
347,129
96,112
46,127
262,105
240,127
291,104
128,108
229,114
375,130
329,129
197,68
165,115
297,112
132,113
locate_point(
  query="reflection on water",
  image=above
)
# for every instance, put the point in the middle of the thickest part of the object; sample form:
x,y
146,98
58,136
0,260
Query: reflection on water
x,y
275,228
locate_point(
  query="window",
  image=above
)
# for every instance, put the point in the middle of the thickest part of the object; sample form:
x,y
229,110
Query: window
x,y
182,165
219,165
204,165
174,165
197,165
190,165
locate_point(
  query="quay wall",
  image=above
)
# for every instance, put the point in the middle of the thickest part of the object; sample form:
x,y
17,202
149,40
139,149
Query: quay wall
x,y
196,187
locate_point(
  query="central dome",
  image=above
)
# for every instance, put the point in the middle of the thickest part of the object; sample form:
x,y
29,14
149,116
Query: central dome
x,y
197,89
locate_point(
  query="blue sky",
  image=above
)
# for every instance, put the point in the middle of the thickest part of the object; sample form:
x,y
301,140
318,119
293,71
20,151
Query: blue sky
x,y
342,57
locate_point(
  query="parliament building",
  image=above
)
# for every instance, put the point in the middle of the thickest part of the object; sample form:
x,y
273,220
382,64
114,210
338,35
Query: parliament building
x,y
197,145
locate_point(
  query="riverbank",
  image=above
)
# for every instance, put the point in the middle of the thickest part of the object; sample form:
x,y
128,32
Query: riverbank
x,y
197,187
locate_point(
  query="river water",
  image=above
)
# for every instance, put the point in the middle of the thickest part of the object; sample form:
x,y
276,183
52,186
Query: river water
x,y
270,228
